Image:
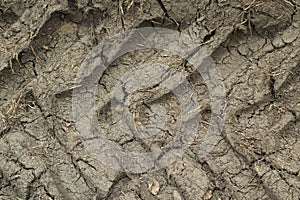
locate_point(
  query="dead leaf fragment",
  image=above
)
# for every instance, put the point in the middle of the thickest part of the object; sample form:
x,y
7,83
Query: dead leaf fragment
x,y
208,195
154,187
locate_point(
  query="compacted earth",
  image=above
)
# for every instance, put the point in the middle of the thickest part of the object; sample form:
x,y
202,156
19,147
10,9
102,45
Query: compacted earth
x,y
255,47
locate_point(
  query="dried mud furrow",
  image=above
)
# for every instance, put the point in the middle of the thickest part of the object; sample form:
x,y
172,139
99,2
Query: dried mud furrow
x,y
255,45
19,35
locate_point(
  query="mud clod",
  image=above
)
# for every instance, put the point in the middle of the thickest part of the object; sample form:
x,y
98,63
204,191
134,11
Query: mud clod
x,y
255,47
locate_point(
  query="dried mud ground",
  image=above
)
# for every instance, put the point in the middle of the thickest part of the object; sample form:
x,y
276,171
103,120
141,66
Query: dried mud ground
x,y
255,45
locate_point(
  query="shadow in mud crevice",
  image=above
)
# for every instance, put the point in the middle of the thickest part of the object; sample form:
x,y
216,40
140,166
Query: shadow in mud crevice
x,y
163,23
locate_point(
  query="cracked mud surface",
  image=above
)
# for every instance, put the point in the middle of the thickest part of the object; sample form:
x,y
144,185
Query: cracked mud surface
x,y
255,45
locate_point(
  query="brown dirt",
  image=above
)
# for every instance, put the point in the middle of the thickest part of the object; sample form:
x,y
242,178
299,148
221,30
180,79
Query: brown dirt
x,y
255,45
